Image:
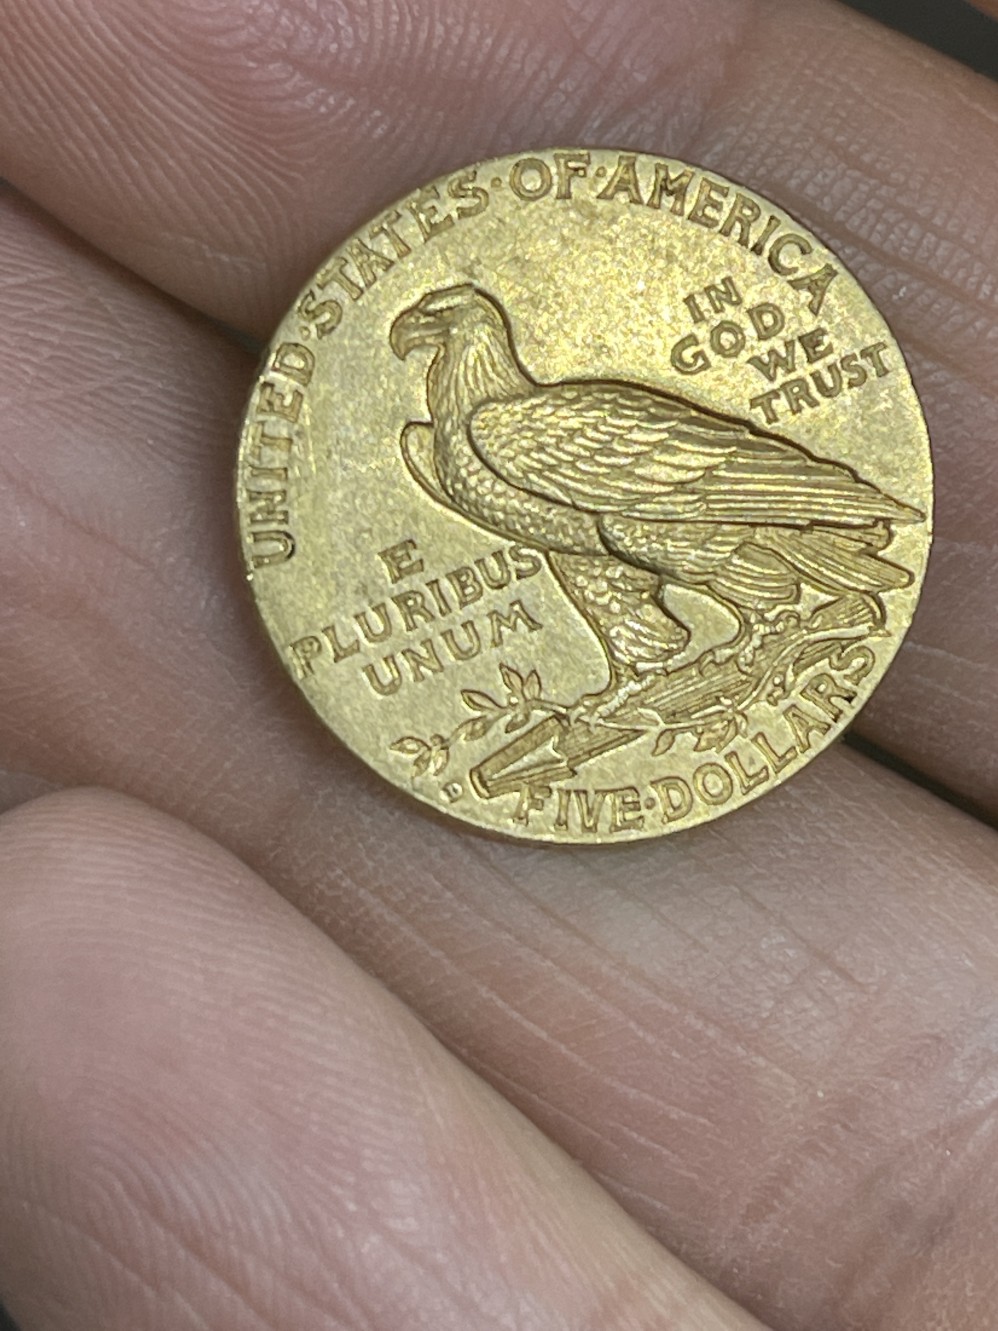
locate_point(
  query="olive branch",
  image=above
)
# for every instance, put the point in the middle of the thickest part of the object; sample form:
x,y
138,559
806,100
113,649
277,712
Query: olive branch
x,y
523,701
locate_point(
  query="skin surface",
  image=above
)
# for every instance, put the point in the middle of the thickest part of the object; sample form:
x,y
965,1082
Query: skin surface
x,y
770,1044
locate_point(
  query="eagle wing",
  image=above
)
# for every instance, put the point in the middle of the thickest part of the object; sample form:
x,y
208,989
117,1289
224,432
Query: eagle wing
x,y
616,448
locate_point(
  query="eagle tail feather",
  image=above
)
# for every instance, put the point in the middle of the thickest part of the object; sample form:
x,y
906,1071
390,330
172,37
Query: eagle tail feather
x,y
839,561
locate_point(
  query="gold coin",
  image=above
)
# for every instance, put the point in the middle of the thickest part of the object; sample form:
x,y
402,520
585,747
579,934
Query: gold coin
x,y
585,495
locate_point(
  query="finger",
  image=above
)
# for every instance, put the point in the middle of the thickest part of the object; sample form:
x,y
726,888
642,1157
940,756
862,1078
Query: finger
x,y
254,127
17,788
214,1119
265,133
254,138
735,1023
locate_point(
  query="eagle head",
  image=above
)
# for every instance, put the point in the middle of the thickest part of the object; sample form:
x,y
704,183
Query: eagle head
x,y
438,318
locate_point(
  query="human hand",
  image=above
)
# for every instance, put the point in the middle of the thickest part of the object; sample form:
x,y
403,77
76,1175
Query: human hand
x,y
770,1042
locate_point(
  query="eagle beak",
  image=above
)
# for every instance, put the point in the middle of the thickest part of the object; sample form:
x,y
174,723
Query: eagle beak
x,y
410,330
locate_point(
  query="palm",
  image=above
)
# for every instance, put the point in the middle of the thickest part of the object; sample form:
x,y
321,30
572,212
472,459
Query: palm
x,y
772,1041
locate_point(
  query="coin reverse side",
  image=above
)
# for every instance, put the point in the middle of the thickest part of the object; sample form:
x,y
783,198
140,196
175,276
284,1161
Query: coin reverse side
x,y
585,495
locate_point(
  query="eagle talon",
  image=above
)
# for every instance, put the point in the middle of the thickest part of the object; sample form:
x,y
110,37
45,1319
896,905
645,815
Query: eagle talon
x,y
600,708
588,711
778,621
743,648
740,650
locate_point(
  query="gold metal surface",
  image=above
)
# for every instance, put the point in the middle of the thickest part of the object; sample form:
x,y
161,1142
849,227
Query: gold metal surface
x,y
585,495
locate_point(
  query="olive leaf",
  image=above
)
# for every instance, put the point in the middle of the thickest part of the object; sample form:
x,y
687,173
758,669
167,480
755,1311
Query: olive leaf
x,y
664,743
532,687
649,716
411,746
479,702
519,718
477,728
514,682
439,758
716,736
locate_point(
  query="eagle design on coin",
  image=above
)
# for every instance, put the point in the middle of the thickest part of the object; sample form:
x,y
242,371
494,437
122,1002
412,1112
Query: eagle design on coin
x,y
629,490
